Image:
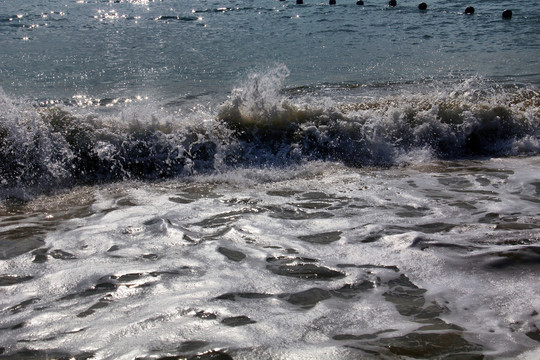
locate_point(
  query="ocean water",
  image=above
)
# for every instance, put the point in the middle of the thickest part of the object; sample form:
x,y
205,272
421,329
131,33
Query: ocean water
x,y
263,180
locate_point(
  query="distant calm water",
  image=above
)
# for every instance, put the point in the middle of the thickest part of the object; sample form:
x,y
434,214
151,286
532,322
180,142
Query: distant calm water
x,y
263,180
179,49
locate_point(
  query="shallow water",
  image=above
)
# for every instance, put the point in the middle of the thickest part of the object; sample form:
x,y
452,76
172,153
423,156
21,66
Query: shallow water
x,y
428,261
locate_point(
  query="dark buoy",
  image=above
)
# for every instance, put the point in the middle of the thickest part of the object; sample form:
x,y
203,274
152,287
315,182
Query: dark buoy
x,y
469,10
360,2
332,2
507,14
392,3
299,2
422,6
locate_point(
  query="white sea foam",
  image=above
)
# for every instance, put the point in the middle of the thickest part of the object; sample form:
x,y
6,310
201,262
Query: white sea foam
x,y
140,270
261,125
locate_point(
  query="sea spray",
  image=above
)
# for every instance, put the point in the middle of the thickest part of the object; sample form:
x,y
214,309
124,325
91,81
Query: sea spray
x,y
261,125
31,153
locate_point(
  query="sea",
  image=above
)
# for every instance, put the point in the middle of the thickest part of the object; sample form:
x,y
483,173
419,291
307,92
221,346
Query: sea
x,y
261,179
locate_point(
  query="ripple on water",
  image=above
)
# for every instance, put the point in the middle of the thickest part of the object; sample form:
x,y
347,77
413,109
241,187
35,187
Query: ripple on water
x,y
7,280
232,255
322,238
298,268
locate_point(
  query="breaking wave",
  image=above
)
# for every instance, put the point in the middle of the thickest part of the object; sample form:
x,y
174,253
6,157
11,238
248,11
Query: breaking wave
x,y
262,125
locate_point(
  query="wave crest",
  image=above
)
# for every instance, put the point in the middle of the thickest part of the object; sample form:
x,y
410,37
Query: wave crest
x,y
262,125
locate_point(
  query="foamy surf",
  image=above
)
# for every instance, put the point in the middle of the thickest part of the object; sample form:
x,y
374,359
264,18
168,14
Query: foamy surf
x,y
434,261
262,124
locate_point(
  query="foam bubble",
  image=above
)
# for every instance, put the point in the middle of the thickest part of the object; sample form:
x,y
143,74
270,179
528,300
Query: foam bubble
x,y
364,258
